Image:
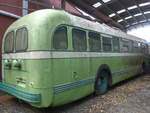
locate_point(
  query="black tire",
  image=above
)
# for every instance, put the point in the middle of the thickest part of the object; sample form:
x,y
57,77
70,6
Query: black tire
x,y
144,68
101,84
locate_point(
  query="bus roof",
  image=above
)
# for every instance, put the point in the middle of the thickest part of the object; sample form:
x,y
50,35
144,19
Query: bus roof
x,y
74,21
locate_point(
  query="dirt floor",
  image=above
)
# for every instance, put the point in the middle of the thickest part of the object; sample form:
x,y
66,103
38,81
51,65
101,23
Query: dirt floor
x,y
131,96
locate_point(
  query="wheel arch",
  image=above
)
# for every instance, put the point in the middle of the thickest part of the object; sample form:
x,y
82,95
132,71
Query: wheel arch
x,y
104,67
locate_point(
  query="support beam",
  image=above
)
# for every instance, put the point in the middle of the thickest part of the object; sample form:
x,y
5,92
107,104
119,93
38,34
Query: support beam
x,y
141,10
141,23
25,6
91,10
104,4
63,4
128,11
9,14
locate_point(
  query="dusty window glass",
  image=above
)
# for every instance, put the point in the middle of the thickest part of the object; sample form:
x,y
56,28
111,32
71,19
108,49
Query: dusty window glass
x,y
126,46
107,45
9,42
60,40
79,40
135,47
21,39
116,45
94,41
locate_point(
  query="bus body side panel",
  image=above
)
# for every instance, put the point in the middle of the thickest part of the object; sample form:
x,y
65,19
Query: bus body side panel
x,y
122,67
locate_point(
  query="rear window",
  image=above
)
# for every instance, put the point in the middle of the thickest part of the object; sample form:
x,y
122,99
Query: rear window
x,y
9,44
60,40
21,39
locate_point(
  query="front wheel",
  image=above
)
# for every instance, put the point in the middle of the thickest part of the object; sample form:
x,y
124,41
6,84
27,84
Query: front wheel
x,y
143,68
101,85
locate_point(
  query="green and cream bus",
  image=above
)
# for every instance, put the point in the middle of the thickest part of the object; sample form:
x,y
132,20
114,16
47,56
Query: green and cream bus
x,y
51,57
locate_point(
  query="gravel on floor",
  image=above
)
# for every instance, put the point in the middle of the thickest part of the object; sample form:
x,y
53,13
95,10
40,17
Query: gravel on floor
x,y
130,96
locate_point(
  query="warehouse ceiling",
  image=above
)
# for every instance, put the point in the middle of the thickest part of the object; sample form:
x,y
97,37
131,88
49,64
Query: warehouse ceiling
x,y
124,14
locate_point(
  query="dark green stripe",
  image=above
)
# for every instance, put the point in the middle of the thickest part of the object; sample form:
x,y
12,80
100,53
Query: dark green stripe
x,y
62,88
69,86
33,98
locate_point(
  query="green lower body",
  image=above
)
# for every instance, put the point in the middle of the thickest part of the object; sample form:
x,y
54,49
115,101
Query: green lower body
x,y
26,96
61,81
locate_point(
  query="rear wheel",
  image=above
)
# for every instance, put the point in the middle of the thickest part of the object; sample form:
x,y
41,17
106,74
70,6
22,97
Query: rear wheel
x,y
101,85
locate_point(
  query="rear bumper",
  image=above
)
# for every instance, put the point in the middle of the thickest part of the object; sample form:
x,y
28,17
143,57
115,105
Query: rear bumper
x,y
28,97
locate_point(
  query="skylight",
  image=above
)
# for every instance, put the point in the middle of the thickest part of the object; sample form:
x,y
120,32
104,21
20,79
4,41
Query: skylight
x,y
144,4
85,14
128,17
121,11
138,14
111,15
120,20
147,12
132,7
142,21
105,1
96,5
134,23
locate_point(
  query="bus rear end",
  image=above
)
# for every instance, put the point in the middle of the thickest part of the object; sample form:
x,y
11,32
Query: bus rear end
x,y
22,72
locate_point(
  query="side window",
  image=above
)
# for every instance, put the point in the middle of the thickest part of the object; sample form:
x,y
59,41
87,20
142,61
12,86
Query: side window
x,y
126,46
21,39
116,45
135,47
107,45
60,40
94,41
147,49
9,44
79,40
144,48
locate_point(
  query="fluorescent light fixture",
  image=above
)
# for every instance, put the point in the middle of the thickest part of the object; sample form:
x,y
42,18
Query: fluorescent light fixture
x,y
121,11
105,1
132,7
96,5
111,15
85,14
144,4
138,14
134,23
128,17
147,12
120,20
142,21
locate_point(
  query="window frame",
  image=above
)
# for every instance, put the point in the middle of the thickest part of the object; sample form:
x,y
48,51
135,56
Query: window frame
x,y
52,44
130,47
115,37
13,46
100,39
85,31
106,36
25,49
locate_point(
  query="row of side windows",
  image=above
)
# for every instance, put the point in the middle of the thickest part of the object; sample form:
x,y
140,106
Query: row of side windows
x,y
96,42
